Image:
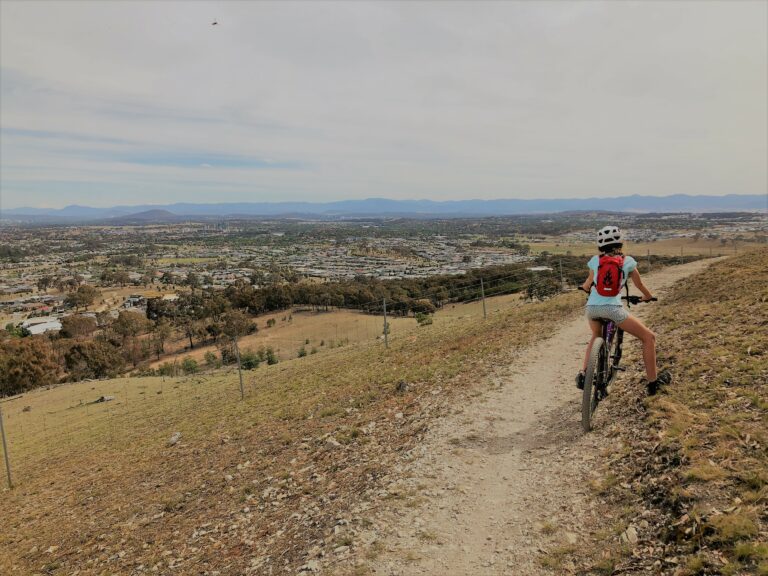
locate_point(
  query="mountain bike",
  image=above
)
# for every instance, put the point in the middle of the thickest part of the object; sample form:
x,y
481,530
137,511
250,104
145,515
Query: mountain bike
x,y
603,365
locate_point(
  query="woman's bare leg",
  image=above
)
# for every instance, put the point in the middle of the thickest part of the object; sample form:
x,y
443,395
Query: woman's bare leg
x,y
597,331
639,330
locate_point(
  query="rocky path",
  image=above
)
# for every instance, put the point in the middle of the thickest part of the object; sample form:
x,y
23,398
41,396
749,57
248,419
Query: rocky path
x,y
505,479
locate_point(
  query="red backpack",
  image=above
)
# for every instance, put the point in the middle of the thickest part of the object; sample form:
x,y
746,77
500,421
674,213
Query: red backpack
x,y
610,273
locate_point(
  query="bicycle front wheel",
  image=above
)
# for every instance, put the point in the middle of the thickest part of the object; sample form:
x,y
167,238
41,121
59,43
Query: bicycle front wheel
x,y
591,384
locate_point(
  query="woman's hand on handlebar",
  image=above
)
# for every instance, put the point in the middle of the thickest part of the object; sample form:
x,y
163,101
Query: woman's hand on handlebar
x,y
648,297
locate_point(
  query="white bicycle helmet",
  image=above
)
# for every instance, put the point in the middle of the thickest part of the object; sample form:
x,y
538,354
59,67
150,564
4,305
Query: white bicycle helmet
x,y
609,235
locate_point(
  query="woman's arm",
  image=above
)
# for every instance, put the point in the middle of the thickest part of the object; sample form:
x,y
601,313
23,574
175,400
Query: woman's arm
x,y
587,286
637,281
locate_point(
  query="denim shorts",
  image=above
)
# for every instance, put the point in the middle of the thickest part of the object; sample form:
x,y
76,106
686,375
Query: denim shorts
x,y
615,312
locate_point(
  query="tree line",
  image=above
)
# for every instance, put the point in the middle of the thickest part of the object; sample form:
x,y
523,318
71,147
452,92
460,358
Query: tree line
x,y
101,345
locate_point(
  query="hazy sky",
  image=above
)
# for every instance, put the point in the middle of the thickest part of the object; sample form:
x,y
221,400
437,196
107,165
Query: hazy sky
x,y
108,103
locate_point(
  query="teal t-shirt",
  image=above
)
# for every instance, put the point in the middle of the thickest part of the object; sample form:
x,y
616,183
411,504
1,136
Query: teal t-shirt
x,y
594,298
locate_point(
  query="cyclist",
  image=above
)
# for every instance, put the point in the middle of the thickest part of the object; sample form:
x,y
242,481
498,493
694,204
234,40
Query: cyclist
x,y
610,243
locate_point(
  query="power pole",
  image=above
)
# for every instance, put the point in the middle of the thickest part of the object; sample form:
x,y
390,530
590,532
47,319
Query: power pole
x,y
386,326
5,451
239,367
482,296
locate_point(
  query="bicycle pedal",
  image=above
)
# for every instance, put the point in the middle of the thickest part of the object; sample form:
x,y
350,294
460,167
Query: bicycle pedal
x,y
620,368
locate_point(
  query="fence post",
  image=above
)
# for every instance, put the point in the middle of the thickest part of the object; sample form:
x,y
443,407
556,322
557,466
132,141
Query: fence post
x,y
386,326
482,296
5,451
239,367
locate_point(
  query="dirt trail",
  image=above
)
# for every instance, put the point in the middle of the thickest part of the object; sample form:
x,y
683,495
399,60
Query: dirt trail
x,y
506,476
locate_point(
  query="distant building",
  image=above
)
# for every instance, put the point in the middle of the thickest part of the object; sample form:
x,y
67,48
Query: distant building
x,y
135,301
41,325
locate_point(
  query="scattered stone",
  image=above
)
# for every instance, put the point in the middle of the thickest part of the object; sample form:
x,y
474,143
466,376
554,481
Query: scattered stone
x,y
174,439
311,566
630,535
402,387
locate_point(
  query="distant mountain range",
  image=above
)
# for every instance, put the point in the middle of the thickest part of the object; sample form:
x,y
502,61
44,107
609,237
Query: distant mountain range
x,y
390,208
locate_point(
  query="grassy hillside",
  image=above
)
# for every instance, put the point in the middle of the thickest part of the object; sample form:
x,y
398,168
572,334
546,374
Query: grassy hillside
x,y
257,486
690,479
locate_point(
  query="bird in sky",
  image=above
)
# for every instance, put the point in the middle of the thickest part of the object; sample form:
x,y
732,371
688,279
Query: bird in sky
x,y
214,23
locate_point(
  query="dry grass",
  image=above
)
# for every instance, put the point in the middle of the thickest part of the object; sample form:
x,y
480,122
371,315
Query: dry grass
x,y
252,485
704,460
328,330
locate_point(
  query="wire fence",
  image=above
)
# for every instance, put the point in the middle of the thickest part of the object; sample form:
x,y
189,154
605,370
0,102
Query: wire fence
x,y
43,427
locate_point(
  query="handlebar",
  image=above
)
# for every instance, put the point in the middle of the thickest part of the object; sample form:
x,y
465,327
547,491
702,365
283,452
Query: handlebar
x,y
638,299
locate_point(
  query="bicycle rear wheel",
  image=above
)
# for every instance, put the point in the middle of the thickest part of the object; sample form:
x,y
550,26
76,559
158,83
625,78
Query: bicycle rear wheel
x,y
592,383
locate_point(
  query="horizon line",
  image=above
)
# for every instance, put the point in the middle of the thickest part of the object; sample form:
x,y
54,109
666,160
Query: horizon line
x,y
378,198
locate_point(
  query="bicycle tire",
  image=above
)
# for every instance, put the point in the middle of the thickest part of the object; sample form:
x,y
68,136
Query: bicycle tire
x,y
589,395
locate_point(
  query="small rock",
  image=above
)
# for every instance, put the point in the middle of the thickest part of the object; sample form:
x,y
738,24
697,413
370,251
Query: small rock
x,y
173,440
630,535
332,443
311,566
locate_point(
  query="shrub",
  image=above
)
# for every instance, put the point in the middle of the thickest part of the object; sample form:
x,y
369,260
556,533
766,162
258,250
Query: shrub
x,y
302,352
228,354
271,357
93,359
423,318
249,360
25,364
189,365
166,369
211,360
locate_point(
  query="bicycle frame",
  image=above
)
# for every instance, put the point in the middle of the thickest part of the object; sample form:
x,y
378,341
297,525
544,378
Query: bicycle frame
x,y
610,332
603,361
